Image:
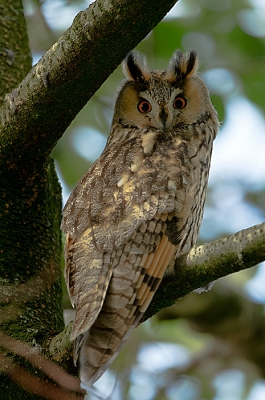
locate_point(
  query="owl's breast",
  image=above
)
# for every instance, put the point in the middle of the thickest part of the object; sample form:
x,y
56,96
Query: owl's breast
x,y
180,172
133,181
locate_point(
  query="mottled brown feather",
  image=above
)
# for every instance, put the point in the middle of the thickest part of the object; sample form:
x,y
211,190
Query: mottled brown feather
x,y
138,207
114,324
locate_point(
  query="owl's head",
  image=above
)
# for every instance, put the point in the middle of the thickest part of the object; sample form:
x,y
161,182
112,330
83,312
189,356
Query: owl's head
x,y
162,100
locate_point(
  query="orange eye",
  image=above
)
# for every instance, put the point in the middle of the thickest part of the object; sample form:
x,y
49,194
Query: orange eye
x,y
179,102
144,106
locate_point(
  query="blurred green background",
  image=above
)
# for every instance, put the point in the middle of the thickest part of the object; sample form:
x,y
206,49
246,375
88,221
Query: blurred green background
x,y
207,346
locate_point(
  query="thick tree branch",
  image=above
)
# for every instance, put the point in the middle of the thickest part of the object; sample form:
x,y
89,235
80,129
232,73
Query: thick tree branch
x,y
201,266
66,383
37,112
208,262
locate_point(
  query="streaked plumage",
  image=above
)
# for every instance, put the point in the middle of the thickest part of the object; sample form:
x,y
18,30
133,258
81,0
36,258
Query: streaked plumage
x,y
139,206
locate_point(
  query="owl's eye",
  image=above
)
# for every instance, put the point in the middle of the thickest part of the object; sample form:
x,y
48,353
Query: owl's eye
x,y
144,106
179,102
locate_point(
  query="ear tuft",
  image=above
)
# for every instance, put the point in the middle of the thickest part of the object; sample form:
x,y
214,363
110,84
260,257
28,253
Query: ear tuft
x,y
182,65
134,68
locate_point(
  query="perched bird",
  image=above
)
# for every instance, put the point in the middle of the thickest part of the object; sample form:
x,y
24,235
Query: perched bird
x,y
139,206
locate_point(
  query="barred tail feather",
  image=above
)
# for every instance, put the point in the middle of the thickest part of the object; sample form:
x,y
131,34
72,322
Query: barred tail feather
x,y
126,301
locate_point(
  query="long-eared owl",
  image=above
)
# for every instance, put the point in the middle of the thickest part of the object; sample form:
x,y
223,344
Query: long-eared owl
x,y
139,206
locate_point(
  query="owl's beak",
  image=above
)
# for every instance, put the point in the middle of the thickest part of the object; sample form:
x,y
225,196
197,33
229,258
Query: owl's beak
x,y
163,115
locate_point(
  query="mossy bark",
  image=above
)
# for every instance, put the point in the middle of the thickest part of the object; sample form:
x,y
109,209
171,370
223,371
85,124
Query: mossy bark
x,y
15,57
30,209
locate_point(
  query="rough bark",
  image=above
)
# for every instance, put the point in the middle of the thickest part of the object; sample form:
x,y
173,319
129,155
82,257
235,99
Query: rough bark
x,y
208,262
37,112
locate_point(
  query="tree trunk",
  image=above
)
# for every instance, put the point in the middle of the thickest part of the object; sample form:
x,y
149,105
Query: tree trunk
x,y
30,239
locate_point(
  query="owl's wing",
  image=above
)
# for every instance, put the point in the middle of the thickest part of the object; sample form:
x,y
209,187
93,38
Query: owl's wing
x,y
87,277
131,289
